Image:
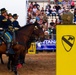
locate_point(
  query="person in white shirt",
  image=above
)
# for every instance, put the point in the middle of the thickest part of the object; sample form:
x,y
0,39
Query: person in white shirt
x,y
60,11
34,9
53,12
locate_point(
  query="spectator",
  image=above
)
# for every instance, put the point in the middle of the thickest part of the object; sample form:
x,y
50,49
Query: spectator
x,y
51,29
72,4
60,12
30,20
45,27
52,23
57,7
53,12
38,11
37,5
74,15
34,9
48,6
69,4
50,10
37,17
42,10
30,13
44,17
31,5
47,12
56,1
67,17
58,21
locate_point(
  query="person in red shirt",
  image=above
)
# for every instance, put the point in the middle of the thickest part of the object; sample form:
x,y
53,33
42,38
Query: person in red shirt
x,y
72,4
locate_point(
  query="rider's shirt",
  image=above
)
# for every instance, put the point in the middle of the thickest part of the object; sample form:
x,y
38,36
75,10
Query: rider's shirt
x,y
16,24
4,23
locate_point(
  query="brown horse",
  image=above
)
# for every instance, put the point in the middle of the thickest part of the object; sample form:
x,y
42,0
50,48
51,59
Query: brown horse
x,y
37,34
23,36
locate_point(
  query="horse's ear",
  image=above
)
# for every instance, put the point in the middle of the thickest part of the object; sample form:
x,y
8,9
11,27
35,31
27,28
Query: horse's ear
x,y
36,23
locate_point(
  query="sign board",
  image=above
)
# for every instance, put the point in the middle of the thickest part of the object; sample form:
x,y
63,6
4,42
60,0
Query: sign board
x,y
32,49
46,45
16,6
66,50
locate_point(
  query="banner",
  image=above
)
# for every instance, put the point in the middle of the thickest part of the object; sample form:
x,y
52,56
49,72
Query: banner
x,y
46,45
66,50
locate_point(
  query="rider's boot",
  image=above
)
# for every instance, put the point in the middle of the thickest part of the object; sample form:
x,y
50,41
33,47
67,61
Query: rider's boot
x,y
9,49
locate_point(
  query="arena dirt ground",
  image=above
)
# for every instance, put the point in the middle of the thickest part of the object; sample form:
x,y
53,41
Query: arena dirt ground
x,y
37,64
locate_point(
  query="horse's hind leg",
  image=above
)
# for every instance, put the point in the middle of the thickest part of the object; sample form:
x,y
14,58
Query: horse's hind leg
x,y
15,70
14,64
9,63
1,59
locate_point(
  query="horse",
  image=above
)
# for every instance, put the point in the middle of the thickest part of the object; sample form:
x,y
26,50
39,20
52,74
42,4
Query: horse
x,y
37,33
21,41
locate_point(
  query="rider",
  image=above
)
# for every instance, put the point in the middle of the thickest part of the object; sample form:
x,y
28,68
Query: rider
x,y
5,23
15,22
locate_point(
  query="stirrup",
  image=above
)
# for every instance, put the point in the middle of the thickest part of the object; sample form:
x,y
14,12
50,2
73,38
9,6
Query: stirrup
x,y
7,53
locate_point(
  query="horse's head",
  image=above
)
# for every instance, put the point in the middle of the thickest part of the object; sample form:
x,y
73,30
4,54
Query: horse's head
x,y
38,32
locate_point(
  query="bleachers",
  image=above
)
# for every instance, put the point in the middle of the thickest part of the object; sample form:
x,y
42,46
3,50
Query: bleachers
x,y
43,3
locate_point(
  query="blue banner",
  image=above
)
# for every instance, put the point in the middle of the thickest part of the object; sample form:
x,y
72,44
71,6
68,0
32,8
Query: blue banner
x,y
46,45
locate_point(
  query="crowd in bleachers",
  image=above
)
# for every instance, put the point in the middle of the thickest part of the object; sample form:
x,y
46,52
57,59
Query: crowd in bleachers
x,y
42,15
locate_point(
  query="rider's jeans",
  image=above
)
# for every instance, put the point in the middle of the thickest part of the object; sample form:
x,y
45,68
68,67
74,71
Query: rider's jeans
x,y
7,36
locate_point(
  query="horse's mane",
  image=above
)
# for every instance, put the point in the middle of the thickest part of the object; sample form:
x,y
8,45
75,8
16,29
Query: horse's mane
x,y
25,26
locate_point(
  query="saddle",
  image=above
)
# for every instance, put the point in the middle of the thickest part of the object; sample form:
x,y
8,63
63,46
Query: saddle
x,y
2,41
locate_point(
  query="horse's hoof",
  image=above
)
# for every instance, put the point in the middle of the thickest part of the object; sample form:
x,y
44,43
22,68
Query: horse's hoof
x,y
19,66
24,62
17,74
8,67
3,63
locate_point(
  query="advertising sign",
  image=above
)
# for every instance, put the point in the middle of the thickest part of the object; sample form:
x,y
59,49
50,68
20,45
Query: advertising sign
x,y
66,50
46,45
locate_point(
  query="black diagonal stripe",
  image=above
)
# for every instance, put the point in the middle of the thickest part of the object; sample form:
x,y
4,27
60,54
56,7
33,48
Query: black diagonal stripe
x,y
70,44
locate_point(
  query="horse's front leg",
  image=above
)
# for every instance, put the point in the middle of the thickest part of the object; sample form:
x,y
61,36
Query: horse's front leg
x,y
10,58
23,56
8,64
1,59
22,59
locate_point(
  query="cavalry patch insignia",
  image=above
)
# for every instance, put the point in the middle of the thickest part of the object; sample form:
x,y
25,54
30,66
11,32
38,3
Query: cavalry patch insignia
x,y
68,42
4,20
